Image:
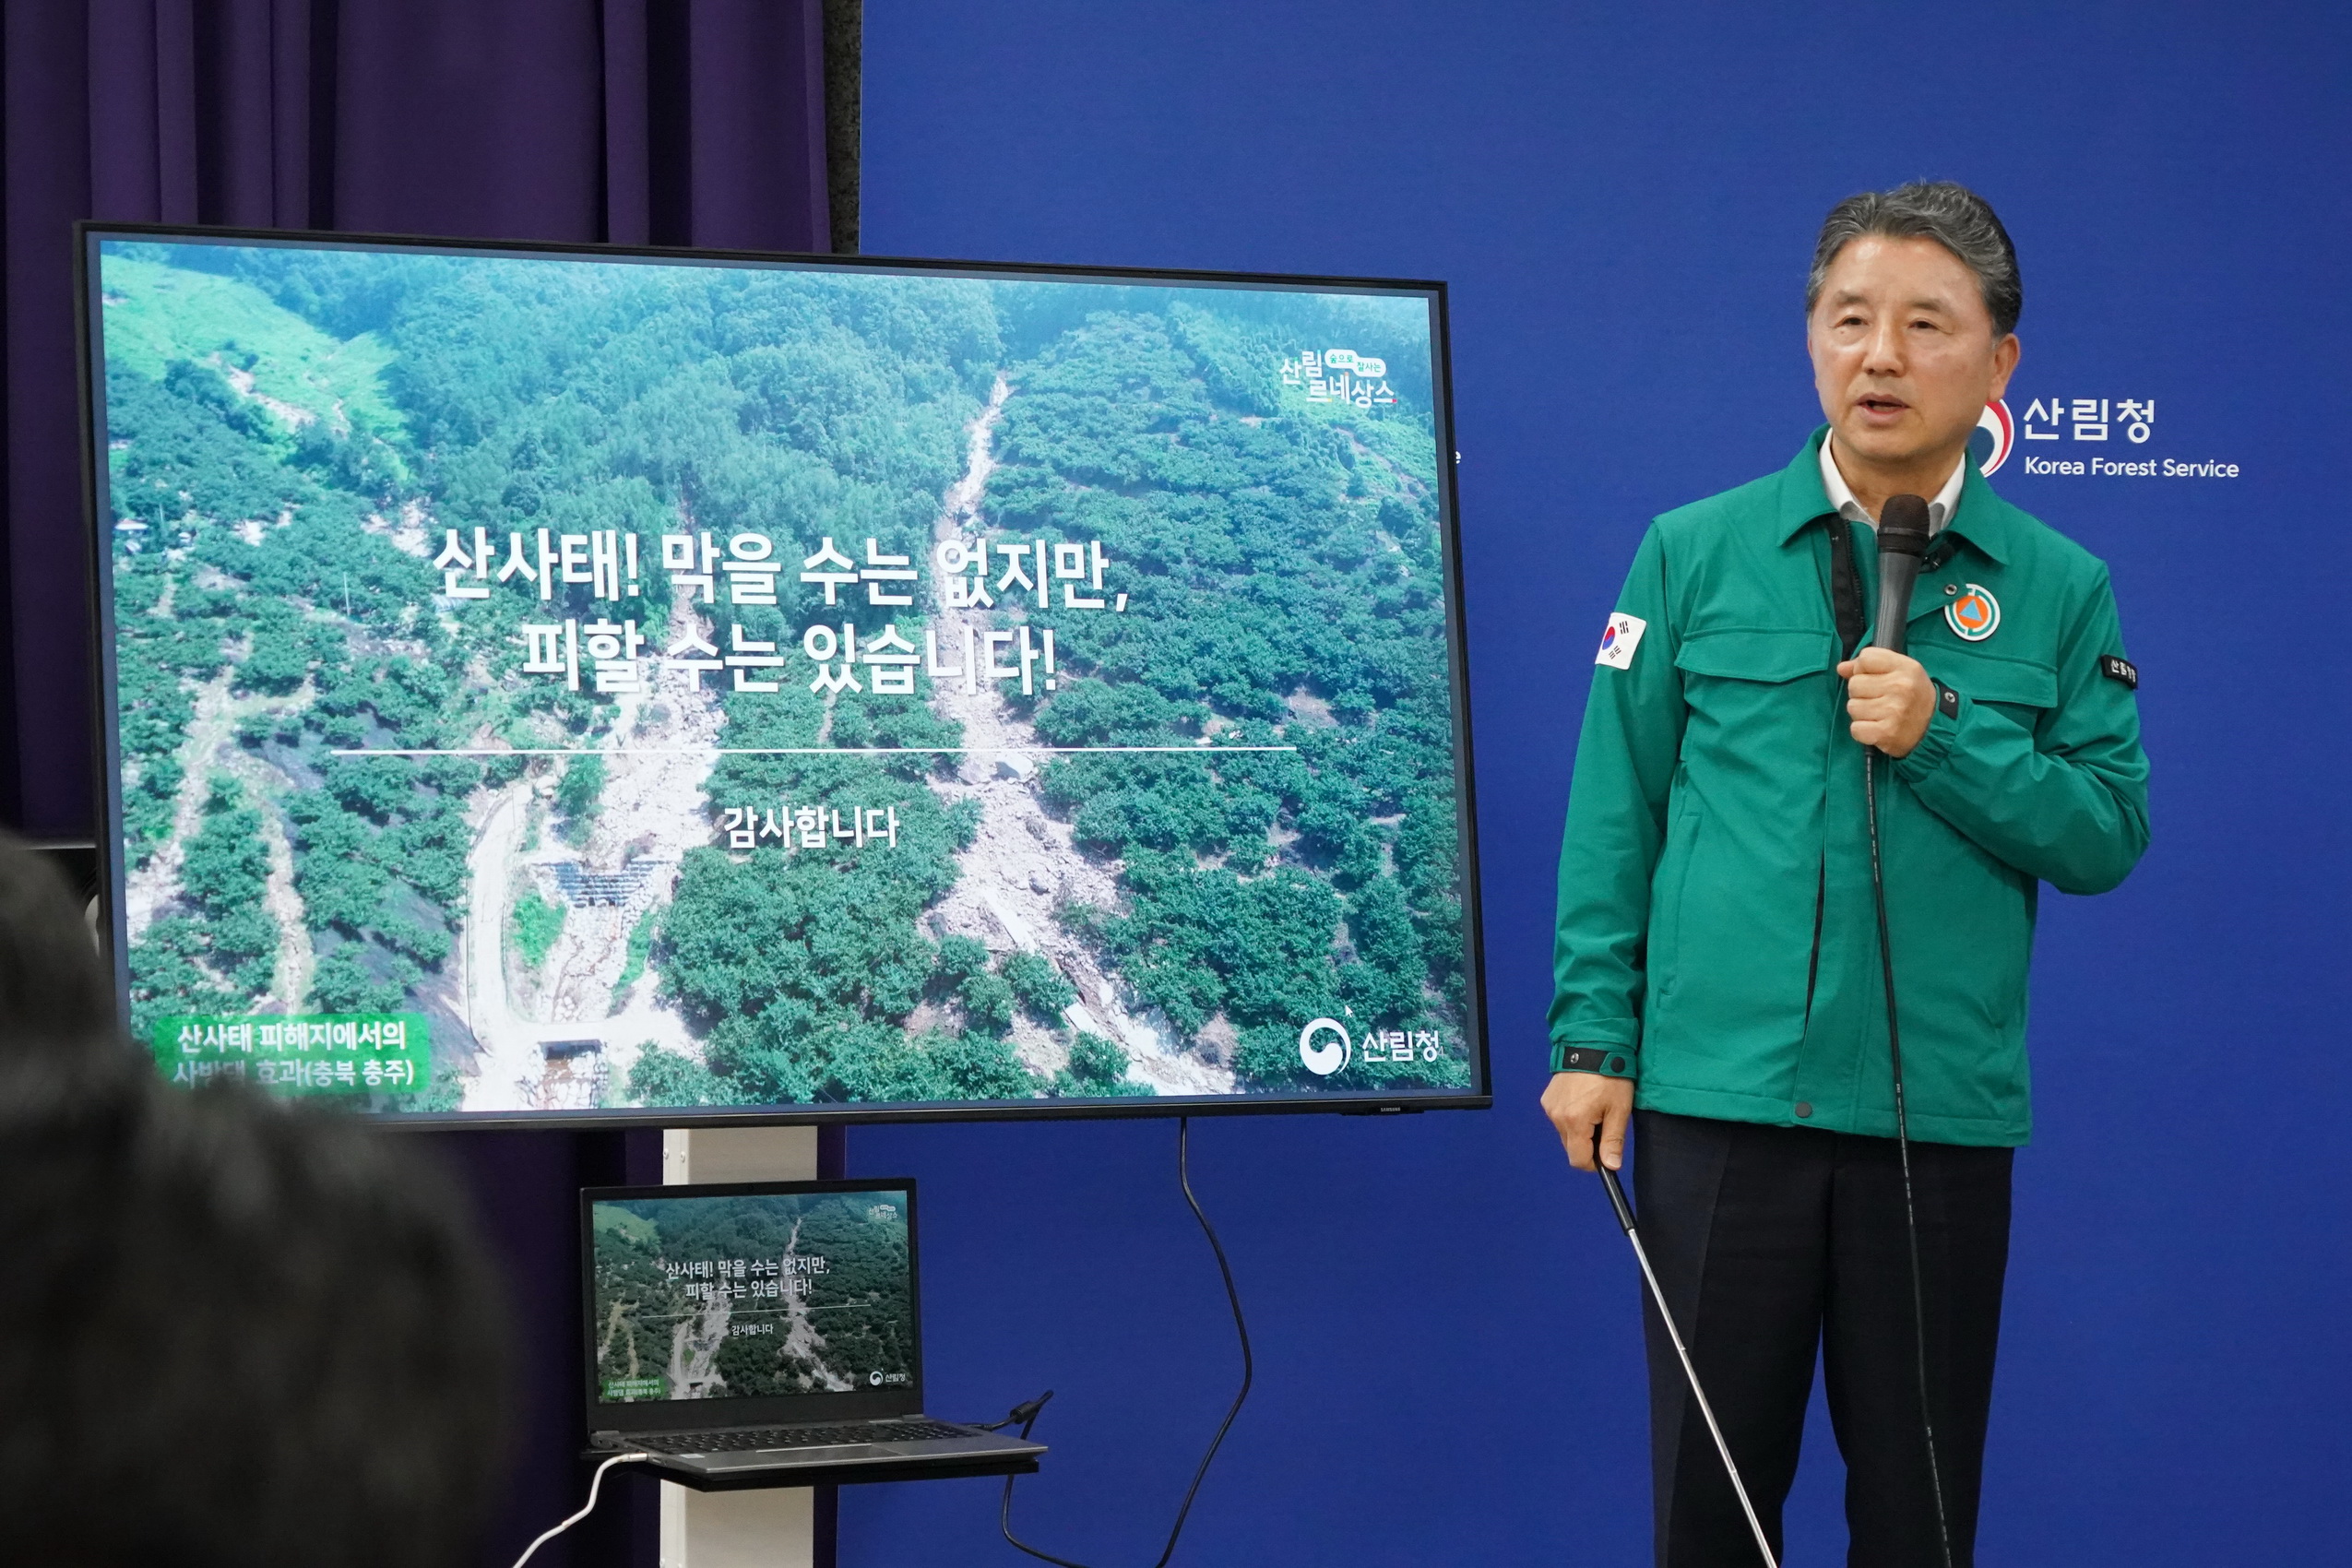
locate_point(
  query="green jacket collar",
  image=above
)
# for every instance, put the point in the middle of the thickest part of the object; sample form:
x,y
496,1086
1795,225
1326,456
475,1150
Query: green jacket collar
x,y
1983,518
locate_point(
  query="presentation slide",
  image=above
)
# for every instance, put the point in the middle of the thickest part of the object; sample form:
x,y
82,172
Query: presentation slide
x,y
594,684
734,1297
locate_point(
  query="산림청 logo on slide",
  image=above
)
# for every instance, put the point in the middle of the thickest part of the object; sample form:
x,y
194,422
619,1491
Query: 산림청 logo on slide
x,y
1328,1057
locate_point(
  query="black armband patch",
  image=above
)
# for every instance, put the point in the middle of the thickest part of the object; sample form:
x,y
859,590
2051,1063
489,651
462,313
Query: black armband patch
x,y
2122,670
1947,700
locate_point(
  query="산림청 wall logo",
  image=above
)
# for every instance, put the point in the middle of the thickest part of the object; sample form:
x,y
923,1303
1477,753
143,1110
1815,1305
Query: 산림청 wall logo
x,y
2113,438
1995,434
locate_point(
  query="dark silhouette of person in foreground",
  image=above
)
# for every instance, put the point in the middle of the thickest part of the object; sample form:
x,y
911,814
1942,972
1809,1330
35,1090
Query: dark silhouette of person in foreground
x,y
231,1332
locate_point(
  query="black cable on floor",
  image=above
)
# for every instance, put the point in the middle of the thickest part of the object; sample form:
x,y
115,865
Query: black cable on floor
x,y
1027,1414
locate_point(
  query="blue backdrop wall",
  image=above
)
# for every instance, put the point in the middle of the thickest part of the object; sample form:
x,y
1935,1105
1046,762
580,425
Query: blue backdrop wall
x,y
1623,198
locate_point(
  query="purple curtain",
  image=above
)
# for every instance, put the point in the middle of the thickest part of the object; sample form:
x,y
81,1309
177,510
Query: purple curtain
x,y
661,121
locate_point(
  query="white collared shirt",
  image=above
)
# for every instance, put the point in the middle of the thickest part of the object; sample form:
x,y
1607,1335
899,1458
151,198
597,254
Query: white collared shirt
x,y
1841,494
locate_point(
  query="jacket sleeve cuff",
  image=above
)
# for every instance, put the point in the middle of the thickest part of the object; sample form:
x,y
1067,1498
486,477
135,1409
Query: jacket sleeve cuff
x,y
1943,735
1584,1056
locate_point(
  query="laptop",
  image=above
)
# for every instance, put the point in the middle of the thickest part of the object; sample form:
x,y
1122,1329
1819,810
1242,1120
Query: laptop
x,y
767,1334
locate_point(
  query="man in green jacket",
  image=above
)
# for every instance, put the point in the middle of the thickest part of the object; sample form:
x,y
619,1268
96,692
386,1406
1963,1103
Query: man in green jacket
x,y
1717,971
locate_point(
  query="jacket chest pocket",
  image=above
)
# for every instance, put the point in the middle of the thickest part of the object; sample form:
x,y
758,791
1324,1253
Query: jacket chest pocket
x,y
2021,689
1739,675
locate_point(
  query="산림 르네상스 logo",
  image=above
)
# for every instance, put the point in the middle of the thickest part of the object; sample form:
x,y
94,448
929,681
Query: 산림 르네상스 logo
x,y
1341,376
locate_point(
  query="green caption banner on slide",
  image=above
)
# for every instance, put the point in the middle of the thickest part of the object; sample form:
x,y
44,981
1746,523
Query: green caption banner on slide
x,y
305,1053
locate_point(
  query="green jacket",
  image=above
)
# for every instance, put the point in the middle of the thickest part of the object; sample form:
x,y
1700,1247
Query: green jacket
x,y
1716,939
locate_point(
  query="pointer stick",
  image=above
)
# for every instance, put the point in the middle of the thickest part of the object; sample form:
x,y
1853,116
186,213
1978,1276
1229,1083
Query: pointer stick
x,y
1625,1218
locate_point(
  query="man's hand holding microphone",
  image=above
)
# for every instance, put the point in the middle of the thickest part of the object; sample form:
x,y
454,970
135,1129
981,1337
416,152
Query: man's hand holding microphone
x,y
1889,699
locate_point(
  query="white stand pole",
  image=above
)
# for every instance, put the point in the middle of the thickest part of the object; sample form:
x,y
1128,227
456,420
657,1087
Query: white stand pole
x,y
774,1527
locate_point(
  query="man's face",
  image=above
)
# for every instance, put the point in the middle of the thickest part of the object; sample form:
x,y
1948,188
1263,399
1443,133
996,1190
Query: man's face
x,y
1903,354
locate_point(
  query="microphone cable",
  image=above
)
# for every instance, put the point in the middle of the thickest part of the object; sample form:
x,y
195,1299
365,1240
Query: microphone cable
x,y
1904,532
1871,755
1027,1414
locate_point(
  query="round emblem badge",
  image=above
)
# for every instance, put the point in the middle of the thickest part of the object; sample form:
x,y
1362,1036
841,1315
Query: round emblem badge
x,y
1975,615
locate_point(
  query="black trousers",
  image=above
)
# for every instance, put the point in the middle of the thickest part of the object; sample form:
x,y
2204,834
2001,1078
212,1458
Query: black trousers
x,y
1773,1241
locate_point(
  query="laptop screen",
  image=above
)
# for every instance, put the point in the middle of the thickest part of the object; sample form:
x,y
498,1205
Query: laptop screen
x,y
738,1296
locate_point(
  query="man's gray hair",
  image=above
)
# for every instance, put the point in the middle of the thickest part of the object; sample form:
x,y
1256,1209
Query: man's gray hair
x,y
1952,215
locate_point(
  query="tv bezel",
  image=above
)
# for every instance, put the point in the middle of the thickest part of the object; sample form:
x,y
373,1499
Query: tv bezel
x,y
90,233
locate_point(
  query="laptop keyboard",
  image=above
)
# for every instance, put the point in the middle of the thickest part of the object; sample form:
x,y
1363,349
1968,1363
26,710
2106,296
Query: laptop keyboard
x,y
745,1441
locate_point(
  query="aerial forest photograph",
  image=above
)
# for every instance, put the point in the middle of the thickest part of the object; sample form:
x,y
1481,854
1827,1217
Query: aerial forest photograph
x,y
556,683
752,1296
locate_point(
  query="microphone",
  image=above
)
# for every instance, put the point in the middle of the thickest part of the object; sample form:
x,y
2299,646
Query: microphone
x,y
1901,540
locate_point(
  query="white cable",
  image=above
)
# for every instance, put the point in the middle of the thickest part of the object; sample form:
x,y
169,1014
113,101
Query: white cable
x,y
586,1508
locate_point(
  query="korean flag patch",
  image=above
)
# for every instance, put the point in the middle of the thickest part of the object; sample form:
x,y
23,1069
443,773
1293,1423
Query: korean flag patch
x,y
1618,643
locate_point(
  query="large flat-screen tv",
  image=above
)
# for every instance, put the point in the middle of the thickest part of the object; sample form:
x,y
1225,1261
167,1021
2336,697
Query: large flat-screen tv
x,y
658,687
